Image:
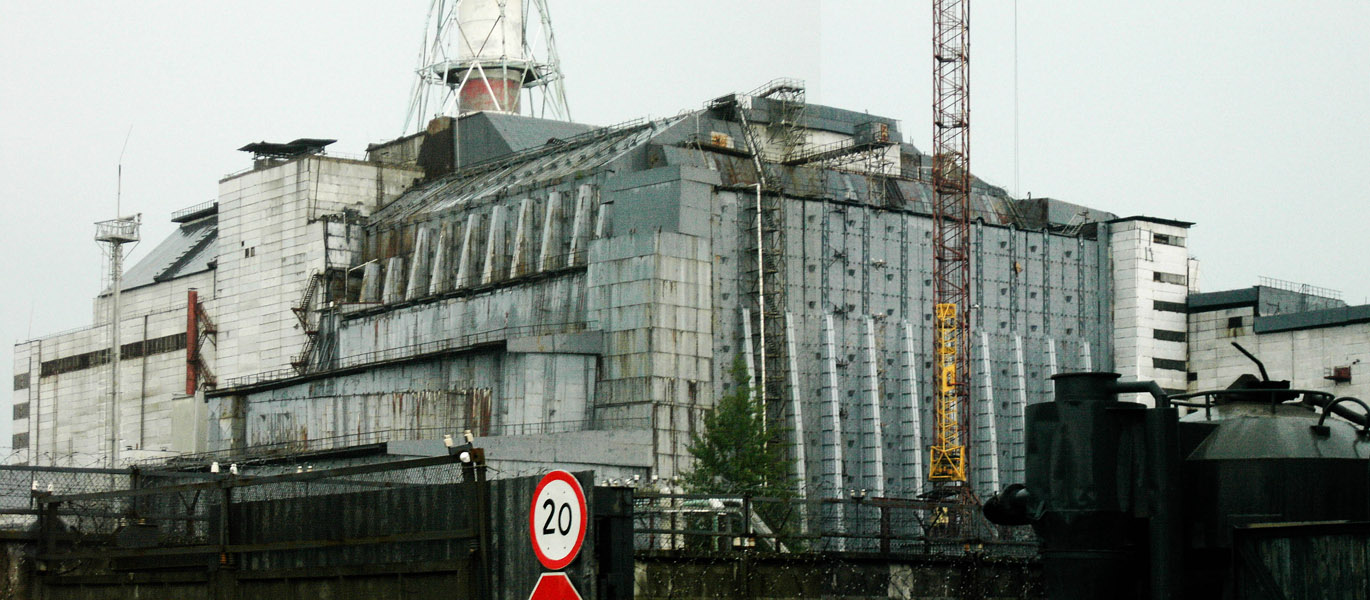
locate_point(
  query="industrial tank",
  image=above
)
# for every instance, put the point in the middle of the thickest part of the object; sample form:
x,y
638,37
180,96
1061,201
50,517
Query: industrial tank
x,y
1265,456
1132,501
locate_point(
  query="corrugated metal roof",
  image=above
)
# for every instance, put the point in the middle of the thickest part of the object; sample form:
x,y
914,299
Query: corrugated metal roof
x,y
188,250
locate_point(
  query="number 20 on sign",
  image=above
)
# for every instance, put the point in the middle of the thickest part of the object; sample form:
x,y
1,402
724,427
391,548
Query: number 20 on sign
x,y
557,519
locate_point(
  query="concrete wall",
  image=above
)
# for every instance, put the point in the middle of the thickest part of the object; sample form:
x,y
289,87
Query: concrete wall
x,y
271,239
1150,283
662,284
506,275
487,392
1302,356
613,454
62,417
859,297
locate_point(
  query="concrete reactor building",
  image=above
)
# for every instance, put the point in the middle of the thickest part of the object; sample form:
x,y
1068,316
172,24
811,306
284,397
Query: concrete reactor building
x,y
577,295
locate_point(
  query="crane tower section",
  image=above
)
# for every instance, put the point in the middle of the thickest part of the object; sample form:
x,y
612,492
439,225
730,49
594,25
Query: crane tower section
x,y
951,182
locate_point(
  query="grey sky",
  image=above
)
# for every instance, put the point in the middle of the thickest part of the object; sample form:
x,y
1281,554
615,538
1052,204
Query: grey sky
x,y
1250,118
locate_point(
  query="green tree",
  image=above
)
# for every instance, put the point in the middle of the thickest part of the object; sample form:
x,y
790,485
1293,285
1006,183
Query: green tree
x,y
737,453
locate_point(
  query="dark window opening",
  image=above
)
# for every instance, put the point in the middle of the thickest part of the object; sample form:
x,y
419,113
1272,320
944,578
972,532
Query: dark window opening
x,y
1164,306
1169,364
1169,278
1169,336
1169,240
170,343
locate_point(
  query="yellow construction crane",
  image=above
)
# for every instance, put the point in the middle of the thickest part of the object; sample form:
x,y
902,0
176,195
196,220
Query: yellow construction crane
x,y
951,183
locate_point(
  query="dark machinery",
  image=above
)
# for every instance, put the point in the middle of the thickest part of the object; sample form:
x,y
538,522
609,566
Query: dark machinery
x,y
1131,501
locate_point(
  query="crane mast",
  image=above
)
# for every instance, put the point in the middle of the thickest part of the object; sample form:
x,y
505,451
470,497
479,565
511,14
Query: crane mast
x,y
951,182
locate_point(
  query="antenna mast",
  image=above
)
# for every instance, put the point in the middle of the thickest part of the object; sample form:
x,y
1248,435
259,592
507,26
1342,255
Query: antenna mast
x,y
113,234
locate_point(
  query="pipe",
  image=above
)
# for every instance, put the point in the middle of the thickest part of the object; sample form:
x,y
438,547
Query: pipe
x,y
1259,365
36,410
761,308
1015,505
142,389
1138,387
1335,407
1166,546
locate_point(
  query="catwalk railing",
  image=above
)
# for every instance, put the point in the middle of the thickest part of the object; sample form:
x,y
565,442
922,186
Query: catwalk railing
x,y
275,451
411,352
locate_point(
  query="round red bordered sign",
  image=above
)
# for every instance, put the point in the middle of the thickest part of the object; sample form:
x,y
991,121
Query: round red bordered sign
x,y
557,519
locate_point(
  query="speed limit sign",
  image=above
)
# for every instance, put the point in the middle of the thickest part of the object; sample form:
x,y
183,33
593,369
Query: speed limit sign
x,y
557,519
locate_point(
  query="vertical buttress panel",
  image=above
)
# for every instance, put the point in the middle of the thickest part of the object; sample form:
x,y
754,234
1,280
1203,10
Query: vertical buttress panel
x,y
873,432
493,270
985,441
420,264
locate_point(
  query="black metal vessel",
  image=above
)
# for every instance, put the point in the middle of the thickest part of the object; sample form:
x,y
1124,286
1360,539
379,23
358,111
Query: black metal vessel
x,y
1134,501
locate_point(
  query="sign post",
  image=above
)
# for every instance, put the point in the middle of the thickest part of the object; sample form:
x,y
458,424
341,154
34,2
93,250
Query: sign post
x,y
556,523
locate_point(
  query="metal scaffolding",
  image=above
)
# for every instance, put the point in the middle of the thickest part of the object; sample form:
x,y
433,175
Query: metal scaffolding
x,y
951,241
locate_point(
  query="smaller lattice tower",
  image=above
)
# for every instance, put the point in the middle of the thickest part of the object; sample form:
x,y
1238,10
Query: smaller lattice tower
x,y
480,55
112,235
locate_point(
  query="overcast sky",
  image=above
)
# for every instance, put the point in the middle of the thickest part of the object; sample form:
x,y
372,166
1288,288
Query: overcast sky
x,y
1250,118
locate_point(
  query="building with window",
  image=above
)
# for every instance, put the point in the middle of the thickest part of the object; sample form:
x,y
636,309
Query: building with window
x,y
575,295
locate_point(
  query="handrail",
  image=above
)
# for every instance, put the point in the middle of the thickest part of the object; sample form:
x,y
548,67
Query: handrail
x,y
1210,396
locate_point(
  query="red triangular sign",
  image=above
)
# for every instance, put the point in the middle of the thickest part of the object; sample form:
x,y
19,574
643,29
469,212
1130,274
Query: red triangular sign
x,y
554,586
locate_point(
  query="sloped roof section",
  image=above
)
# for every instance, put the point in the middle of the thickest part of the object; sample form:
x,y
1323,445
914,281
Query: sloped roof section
x,y
530,168
188,250
521,133
487,136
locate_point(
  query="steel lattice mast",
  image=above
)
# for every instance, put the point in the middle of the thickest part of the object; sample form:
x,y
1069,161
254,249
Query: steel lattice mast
x,y
951,181
481,55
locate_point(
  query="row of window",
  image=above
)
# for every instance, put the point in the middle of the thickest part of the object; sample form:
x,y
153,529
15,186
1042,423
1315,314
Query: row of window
x,y
170,343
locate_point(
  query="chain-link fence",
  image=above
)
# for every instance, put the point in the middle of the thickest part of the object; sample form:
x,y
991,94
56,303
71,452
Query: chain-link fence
x,y
22,486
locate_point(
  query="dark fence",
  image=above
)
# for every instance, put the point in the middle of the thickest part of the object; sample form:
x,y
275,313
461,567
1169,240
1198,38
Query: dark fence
x,y
419,526
416,528
697,523
232,516
366,528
